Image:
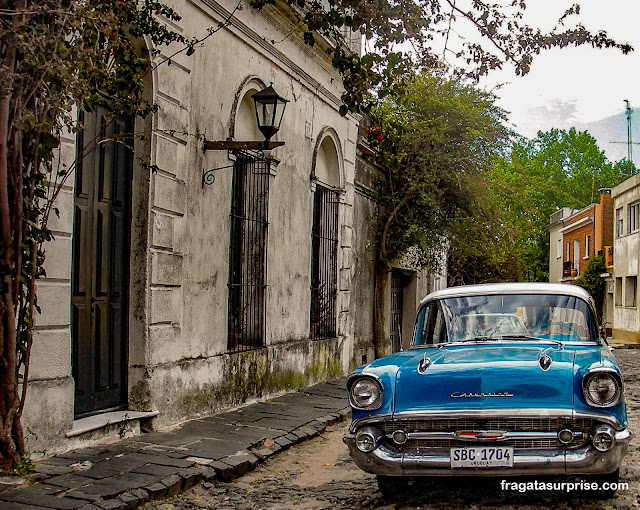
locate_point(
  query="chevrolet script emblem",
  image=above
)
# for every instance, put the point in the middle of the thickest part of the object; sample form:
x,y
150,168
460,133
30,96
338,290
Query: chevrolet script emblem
x,y
461,394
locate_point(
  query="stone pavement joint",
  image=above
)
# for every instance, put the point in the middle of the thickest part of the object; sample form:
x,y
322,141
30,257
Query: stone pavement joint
x,y
157,465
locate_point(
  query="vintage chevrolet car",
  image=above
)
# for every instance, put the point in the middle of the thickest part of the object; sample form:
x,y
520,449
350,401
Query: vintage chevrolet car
x,y
500,379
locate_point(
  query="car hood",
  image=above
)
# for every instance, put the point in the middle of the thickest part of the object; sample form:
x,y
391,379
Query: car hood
x,y
485,376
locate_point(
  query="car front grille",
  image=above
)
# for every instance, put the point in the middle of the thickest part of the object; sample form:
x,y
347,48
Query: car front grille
x,y
516,443
486,424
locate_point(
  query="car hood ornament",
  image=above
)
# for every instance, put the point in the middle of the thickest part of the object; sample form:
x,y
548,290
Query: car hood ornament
x,y
425,363
545,362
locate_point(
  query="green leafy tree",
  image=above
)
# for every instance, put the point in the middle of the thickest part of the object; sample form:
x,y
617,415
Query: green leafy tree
x,y
592,281
54,55
433,140
483,248
558,168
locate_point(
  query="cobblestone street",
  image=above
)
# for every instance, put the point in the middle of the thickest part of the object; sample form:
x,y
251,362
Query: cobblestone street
x,y
319,474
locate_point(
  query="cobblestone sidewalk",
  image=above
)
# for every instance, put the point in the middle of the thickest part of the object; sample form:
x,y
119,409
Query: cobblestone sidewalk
x,y
156,465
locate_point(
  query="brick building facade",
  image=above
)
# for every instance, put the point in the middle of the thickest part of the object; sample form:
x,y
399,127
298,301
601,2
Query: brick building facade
x,y
580,235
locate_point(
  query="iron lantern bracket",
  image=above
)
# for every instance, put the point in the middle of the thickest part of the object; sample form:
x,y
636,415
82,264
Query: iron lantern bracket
x,y
235,147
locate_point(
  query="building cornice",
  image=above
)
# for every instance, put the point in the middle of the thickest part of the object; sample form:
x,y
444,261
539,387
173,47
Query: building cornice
x,y
577,224
210,7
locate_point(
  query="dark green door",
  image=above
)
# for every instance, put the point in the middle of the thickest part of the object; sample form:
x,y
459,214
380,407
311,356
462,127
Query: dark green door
x,y
100,278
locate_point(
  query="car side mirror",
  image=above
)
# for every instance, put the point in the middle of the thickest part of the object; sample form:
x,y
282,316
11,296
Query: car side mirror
x,y
603,337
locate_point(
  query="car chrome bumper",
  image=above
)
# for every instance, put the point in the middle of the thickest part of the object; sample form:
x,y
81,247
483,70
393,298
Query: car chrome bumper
x,y
386,460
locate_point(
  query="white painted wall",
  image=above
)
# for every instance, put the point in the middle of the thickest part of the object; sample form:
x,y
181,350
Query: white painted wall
x,y
180,232
626,319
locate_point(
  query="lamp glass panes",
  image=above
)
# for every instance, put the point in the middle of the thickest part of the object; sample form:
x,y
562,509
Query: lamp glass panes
x,y
269,111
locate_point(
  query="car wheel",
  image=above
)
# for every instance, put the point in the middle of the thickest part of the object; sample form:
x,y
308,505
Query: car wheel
x,y
393,487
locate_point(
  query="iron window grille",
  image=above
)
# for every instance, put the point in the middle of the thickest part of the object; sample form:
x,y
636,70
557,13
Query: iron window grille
x,y
247,254
324,264
397,289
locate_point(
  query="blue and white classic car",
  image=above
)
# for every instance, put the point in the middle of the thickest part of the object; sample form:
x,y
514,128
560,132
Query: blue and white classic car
x,y
500,379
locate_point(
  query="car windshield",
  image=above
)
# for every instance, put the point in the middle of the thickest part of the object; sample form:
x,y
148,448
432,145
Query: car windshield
x,y
549,317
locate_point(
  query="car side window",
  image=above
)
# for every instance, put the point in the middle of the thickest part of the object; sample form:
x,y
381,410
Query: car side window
x,y
427,326
439,327
434,328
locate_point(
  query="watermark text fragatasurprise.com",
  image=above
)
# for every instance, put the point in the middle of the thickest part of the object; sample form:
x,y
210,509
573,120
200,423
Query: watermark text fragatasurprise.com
x,y
563,486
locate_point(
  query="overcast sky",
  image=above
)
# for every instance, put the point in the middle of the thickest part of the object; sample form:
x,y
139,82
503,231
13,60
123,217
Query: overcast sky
x,y
575,85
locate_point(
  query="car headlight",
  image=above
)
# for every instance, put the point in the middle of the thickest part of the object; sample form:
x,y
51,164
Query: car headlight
x,y
602,389
366,393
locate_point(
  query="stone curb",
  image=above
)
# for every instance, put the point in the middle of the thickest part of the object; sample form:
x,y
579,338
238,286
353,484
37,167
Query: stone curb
x,y
224,470
234,466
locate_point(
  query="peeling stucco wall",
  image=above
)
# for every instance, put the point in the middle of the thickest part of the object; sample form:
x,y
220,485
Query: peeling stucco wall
x,y
177,354
208,385
626,316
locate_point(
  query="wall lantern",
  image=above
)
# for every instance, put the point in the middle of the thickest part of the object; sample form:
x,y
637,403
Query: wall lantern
x,y
269,107
269,111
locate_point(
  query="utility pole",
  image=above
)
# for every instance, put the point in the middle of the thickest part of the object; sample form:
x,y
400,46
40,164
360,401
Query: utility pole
x,y
629,142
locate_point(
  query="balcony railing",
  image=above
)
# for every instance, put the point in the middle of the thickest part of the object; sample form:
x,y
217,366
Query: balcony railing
x,y
608,256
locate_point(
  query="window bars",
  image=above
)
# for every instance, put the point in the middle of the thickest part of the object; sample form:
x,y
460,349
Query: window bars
x,y
397,288
324,264
247,253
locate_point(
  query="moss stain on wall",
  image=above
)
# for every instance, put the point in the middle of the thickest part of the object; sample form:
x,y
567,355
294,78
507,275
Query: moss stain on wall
x,y
258,374
140,396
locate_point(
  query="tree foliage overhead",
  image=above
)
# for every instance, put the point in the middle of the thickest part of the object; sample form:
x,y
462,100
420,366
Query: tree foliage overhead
x,y
406,35
433,140
558,168
54,55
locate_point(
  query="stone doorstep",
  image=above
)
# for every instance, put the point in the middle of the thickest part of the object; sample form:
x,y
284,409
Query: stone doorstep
x,y
623,345
100,421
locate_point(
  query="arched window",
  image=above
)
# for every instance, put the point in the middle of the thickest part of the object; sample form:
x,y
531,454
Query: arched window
x,y
248,240
324,242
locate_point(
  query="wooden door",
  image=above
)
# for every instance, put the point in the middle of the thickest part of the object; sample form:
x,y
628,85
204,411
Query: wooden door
x,y
100,279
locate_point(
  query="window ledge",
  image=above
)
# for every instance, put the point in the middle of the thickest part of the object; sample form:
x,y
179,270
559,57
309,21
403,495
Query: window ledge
x,y
99,421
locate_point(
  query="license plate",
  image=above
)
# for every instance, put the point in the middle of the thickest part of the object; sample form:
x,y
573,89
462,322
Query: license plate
x,y
482,456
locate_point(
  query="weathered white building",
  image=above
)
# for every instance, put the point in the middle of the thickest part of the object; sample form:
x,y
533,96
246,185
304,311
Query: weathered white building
x,y
167,297
174,298
556,242
626,251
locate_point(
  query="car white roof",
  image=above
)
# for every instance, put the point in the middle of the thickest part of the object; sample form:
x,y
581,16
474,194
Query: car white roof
x,y
510,288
